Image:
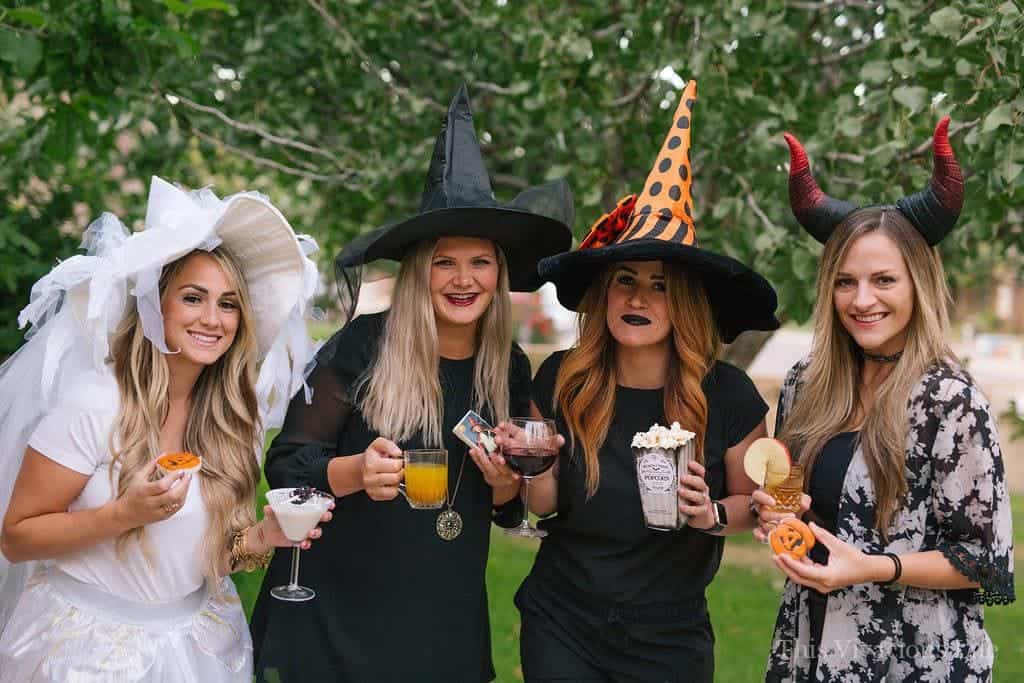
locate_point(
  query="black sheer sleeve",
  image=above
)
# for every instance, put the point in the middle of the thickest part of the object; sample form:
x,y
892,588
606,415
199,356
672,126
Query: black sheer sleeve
x,y
299,454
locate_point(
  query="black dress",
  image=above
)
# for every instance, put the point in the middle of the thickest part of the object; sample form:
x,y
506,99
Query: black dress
x,y
394,602
608,598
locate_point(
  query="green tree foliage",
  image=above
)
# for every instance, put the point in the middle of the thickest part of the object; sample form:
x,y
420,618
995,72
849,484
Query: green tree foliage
x,y
331,108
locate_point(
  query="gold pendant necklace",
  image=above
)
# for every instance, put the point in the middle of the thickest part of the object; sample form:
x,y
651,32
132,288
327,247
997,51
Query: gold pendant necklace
x,y
449,522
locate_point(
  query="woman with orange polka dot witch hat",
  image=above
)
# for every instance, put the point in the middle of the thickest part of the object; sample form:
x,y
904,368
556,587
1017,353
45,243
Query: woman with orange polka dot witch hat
x,y
609,598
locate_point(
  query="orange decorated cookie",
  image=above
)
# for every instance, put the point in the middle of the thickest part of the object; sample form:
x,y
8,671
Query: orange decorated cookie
x,y
172,463
792,537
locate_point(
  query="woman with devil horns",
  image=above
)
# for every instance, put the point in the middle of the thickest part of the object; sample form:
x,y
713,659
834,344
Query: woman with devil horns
x,y
908,500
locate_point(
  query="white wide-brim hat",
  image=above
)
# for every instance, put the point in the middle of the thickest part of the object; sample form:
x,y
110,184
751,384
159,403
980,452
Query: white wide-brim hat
x,y
247,226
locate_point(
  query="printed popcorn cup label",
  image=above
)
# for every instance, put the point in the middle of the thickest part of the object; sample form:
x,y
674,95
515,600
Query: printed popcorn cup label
x,y
656,471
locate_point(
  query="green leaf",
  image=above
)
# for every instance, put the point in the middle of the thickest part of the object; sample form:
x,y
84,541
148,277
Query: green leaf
x,y
875,72
1011,170
215,5
21,50
1000,116
850,127
946,22
977,9
964,68
177,6
27,15
911,97
558,171
904,66
804,264
974,34
1009,9
579,49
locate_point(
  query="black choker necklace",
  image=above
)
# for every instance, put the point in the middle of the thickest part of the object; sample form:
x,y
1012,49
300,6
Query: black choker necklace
x,y
882,359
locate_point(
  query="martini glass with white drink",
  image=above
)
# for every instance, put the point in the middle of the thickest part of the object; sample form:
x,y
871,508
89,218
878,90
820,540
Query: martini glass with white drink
x,y
298,511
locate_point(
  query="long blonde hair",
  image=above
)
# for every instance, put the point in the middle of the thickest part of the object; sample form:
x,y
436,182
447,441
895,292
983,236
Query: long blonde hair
x,y
223,424
586,382
831,384
401,393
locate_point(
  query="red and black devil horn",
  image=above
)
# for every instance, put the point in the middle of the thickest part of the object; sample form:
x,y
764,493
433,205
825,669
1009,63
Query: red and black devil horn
x,y
935,209
815,210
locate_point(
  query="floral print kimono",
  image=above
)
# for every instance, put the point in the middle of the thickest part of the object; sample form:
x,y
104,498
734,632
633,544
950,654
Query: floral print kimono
x,y
958,504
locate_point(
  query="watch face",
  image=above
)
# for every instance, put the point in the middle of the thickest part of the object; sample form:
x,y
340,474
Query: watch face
x,y
721,513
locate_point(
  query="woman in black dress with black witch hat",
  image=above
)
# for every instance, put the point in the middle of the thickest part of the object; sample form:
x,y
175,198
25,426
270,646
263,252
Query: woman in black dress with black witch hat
x,y
400,592
609,599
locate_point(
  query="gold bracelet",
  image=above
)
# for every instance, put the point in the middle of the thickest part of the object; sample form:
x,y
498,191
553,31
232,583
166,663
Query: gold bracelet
x,y
241,559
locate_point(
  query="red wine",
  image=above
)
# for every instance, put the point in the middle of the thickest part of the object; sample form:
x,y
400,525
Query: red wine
x,y
529,462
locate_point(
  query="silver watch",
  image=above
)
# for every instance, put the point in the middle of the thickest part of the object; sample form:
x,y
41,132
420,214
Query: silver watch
x,y
721,518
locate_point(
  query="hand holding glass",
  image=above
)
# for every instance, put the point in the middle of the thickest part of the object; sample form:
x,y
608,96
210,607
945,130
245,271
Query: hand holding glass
x,y
529,447
298,511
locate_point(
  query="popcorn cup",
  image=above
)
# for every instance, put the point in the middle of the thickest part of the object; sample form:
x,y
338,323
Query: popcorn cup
x,y
657,476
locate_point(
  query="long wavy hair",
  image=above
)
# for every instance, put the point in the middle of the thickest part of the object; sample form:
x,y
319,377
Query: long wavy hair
x,y
830,387
586,382
223,424
400,395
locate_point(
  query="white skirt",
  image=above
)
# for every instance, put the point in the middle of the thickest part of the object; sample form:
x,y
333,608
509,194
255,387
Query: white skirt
x,y
68,631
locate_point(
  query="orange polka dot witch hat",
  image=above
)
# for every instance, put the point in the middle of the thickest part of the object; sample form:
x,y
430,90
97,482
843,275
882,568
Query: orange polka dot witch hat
x,y
457,200
658,225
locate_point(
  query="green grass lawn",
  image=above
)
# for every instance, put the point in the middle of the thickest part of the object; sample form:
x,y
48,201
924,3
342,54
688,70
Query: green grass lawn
x,y
742,600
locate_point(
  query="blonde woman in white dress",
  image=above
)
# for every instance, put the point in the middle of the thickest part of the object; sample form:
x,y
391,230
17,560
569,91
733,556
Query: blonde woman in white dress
x,y
187,336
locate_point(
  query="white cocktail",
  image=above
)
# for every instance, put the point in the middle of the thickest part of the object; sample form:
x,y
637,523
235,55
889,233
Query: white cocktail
x,y
298,511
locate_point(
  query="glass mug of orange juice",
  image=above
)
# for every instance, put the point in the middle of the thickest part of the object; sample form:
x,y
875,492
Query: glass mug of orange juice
x,y
426,478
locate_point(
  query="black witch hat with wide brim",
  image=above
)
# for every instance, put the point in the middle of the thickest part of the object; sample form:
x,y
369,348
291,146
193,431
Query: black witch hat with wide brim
x,y
458,201
659,226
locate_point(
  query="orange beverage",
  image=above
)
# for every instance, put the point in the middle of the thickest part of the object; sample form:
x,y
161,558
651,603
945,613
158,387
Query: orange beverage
x,y
426,484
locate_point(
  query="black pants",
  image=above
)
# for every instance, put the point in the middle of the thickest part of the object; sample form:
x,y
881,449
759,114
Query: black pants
x,y
567,636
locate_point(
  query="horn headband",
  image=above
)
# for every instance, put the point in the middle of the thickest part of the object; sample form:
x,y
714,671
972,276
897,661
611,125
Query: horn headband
x,y
933,211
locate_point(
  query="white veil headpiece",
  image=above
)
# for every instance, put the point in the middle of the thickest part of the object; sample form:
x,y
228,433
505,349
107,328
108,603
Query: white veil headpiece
x,y
73,310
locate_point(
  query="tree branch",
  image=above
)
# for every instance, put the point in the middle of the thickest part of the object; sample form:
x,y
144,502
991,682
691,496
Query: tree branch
x,y
610,30
262,133
510,181
270,163
845,156
493,88
923,148
754,206
399,89
839,56
634,95
818,6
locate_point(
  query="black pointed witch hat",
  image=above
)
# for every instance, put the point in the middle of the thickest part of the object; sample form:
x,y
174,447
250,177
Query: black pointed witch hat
x,y
457,200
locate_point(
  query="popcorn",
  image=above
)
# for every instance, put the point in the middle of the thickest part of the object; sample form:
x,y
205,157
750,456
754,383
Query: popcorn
x,y
662,453
662,437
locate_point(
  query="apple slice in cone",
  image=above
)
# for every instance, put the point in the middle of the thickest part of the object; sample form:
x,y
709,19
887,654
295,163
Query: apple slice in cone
x,y
767,462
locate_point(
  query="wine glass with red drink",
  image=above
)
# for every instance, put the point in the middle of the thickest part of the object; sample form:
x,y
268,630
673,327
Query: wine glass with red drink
x,y
530,449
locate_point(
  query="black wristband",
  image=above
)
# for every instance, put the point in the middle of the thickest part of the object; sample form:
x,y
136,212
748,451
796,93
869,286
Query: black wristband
x,y
897,566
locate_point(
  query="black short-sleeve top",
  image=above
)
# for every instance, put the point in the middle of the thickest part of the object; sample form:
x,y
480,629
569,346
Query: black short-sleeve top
x,y
601,544
380,567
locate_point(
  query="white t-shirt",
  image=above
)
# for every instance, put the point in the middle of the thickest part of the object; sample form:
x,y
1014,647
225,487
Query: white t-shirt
x,y
76,434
